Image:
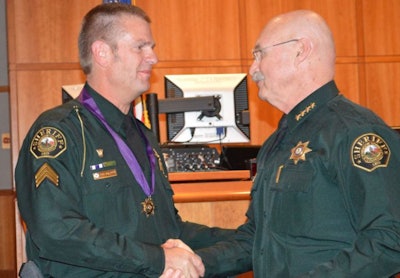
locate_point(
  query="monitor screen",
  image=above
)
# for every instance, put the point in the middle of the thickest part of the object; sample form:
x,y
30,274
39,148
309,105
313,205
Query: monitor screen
x,y
225,124
69,92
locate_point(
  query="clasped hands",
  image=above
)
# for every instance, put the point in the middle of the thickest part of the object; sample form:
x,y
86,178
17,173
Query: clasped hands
x,y
181,261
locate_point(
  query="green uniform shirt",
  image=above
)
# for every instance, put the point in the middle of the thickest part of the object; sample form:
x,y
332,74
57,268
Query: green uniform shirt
x,y
325,201
82,205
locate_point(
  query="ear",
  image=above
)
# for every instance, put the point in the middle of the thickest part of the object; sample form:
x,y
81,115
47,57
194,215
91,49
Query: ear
x,y
304,50
101,53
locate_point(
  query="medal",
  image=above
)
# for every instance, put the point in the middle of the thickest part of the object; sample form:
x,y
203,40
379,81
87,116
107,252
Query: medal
x,y
148,206
148,188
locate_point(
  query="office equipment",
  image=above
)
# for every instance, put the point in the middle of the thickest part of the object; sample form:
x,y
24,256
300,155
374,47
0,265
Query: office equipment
x,y
238,157
191,158
226,120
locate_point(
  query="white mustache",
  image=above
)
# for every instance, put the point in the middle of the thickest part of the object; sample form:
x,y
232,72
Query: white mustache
x,y
257,76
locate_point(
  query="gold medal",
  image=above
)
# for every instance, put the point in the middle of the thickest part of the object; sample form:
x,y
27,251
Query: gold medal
x,y
148,206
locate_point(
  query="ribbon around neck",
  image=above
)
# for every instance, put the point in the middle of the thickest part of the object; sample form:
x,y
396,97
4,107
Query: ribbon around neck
x,y
89,103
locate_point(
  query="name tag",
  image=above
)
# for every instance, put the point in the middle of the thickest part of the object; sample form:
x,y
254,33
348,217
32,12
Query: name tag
x,y
105,174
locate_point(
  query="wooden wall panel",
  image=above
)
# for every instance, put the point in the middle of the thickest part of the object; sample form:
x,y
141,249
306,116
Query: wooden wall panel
x,y
194,30
381,27
39,91
382,58
383,90
48,30
7,230
347,80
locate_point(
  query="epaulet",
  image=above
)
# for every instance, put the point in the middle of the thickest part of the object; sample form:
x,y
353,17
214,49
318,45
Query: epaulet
x,y
60,112
353,116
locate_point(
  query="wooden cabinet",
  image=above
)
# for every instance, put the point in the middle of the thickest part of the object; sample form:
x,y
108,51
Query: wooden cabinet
x,y
212,198
7,234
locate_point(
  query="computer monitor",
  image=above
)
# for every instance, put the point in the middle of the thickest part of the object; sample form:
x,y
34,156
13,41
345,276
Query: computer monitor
x,y
227,122
69,92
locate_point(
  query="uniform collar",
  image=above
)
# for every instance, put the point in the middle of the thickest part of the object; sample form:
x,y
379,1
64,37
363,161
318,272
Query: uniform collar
x,y
312,103
114,116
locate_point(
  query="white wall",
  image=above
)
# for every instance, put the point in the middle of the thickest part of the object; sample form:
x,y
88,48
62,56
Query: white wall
x,y
3,45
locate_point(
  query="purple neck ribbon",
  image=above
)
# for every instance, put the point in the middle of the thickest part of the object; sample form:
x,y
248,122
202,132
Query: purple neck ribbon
x,y
125,151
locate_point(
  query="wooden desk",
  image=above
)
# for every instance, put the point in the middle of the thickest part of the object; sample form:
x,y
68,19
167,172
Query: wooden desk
x,y
219,198
211,186
213,198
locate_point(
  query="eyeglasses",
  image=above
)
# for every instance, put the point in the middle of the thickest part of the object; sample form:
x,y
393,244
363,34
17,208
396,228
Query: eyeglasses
x,y
258,54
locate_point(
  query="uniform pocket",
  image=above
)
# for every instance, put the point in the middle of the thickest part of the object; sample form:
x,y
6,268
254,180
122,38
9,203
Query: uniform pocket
x,y
292,205
109,204
293,178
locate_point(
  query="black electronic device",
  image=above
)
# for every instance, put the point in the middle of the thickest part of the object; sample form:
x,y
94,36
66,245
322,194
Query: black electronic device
x,y
190,158
238,157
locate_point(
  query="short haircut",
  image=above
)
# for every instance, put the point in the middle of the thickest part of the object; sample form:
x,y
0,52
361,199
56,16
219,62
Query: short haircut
x,y
102,23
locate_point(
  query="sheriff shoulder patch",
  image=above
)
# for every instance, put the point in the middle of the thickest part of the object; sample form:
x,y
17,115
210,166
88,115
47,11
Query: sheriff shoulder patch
x,y
48,142
370,151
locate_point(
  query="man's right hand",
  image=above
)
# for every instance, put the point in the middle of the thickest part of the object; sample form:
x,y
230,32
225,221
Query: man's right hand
x,y
180,261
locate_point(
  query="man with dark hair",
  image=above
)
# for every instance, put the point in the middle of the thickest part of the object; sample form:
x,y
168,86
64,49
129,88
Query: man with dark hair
x,y
91,182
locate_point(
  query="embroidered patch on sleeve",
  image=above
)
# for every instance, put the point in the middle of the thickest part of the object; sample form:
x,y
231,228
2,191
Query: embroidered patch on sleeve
x,y
46,172
48,142
370,151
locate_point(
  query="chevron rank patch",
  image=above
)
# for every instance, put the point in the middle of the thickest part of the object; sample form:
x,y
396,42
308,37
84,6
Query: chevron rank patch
x,y
48,142
370,151
46,172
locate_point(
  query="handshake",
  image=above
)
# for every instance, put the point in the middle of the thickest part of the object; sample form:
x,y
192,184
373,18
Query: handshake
x,y
181,261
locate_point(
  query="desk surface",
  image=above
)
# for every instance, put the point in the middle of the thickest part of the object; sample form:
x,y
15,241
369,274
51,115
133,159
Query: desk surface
x,y
211,186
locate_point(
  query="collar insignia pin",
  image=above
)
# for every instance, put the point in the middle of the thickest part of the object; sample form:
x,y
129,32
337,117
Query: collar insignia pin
x,y
100,152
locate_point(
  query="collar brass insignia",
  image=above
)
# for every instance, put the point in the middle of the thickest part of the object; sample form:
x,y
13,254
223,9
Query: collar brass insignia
x,y
370,151
307,110
100,152
299,152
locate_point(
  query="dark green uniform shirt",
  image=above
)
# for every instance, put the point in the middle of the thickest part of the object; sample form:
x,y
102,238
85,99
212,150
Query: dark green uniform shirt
x,y
325,201
82,205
